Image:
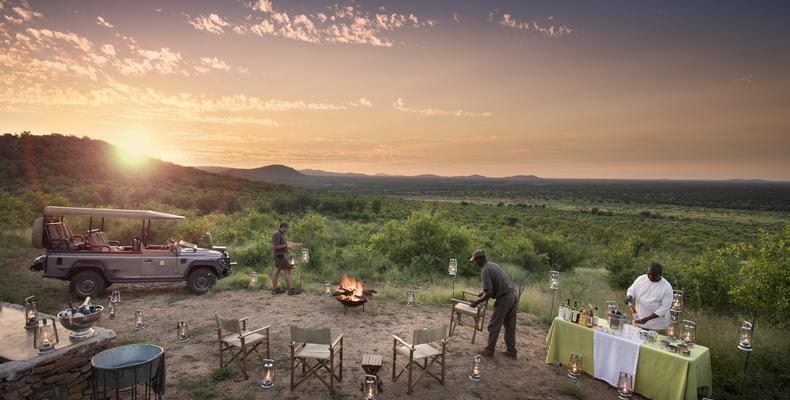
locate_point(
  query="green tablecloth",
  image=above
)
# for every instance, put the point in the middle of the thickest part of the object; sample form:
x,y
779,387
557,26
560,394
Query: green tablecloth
x,y
660,374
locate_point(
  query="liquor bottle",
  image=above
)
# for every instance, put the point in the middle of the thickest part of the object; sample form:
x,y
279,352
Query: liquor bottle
x,y
568,310
595,316
85,308
589,319
575,312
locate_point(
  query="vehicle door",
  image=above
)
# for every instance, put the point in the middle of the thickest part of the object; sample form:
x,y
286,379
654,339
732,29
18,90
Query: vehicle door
x,y
120,266
160,264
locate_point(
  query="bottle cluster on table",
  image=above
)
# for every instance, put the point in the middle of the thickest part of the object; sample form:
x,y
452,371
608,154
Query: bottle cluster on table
x,y
582,315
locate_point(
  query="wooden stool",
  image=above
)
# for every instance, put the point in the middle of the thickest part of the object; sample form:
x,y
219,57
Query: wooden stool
x,y
371,364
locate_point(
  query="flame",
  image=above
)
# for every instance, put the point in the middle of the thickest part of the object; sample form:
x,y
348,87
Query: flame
x,y
353,286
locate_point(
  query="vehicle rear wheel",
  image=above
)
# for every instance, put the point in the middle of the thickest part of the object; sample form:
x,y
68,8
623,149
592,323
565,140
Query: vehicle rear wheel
x,y
200,280
87,283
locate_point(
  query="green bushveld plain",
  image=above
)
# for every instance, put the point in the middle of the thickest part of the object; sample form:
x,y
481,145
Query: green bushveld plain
x,y
730,257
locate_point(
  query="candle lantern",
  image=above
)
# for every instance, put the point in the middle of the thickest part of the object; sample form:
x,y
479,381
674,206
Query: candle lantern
x,y
410,298
292,260
45,335
31,312
625,386
138,319
689,332
475,376
672,329
452,268
611,307
111,309
305,256
371,387
554,280
745,336
115,297
267,374
253,279
183,331
677,300
328,288
575,366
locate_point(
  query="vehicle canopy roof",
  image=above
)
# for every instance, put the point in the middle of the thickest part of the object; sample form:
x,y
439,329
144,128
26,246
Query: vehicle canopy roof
x,y
108,212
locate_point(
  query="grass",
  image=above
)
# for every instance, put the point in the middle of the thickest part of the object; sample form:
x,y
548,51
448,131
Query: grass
x,y
572,390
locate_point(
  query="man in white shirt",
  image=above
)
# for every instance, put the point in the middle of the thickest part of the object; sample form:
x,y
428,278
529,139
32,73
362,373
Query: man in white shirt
x,y
653,296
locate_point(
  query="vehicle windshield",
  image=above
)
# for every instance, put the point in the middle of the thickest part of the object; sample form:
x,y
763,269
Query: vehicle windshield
x,y
183,243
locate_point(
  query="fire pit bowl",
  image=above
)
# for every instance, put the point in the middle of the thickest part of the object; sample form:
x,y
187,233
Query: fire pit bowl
x,y
81,327
352,293
128,366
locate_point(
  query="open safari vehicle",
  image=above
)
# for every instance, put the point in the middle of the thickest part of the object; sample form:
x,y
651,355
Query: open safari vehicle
x,y
92,262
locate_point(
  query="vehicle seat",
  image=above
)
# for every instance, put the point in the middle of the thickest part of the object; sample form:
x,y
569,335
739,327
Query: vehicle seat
x,y
98,240
59,237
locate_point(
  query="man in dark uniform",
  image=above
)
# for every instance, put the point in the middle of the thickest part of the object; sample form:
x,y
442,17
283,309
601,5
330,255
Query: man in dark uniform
x,y
498,286
280,248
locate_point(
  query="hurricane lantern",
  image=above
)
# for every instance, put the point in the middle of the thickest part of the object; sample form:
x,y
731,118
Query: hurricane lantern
x,y
554,280
183,331
292,260
475,376
253,279
138,319
452,268
575,366
689,332
267,374
625,386
31,312
115,297
745,336
677,300
45,335
672,329
328,288
371,387
111,309
305,256
410,298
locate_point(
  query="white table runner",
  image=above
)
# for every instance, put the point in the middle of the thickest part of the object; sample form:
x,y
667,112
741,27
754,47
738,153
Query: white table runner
x,y
613,354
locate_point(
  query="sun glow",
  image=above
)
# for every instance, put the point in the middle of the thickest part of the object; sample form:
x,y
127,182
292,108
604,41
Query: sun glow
x,y
134,149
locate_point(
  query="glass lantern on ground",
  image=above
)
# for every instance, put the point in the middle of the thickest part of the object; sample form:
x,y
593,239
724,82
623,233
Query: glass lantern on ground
x,y
410,298
689,332
183,331
371,387
328,288
475,375
115,297
45,335
554,280
452,267
253,279
745,336
267,374
138,319
31,312
575,366
677,301
625,386
111,309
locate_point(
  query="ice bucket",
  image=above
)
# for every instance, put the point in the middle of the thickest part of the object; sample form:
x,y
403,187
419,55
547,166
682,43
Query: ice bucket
x,y
127,366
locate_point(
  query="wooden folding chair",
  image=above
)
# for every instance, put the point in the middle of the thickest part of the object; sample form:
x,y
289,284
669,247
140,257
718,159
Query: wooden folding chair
x,y
234,337
316,344
422,352
461,307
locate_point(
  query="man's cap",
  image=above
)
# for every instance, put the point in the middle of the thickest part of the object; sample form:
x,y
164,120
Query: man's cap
x,y
284,224
477,254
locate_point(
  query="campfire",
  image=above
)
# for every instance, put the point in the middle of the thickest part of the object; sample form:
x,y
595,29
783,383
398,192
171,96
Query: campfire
x,y
352,293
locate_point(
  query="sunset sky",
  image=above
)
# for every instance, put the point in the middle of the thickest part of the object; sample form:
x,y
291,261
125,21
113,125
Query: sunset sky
x,y
621,89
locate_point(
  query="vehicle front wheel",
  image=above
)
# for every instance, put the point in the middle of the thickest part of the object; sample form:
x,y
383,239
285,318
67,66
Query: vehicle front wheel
x,y
200,280
87,283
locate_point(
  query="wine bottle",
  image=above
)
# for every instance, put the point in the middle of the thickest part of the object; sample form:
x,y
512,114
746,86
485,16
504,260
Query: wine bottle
x,y
85,308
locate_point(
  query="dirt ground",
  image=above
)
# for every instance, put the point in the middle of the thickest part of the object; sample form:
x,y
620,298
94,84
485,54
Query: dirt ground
x,y
365,332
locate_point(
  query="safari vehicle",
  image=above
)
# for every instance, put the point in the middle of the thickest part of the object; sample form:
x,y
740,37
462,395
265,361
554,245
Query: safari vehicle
x,y
92,262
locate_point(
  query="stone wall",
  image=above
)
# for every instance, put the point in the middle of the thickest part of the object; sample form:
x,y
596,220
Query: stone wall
x,y
64,373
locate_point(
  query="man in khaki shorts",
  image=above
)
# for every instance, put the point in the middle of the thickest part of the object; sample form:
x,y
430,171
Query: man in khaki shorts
x,y
280,248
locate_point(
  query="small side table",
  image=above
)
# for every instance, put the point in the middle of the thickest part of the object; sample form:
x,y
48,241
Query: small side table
x,y
371,364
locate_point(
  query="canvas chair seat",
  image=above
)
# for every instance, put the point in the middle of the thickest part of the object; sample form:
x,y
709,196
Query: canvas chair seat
x,y
420,351
250,339
316,351
465,309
